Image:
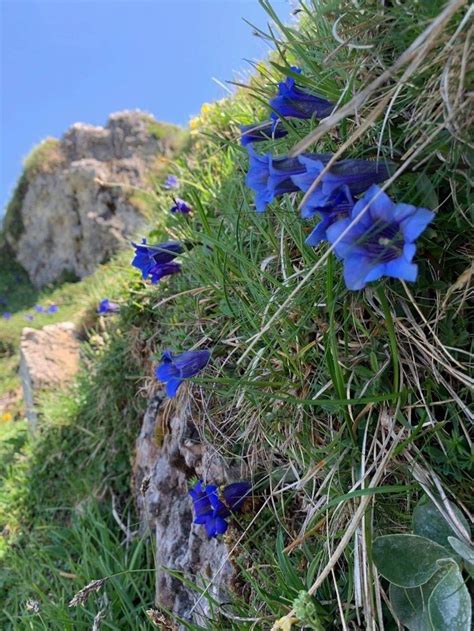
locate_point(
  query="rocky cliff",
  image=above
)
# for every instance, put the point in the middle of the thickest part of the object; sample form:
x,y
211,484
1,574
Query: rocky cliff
x,y
73,206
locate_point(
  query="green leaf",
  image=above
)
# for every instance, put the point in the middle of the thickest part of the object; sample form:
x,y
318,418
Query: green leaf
x,y
407,560
427,191
429,522
449,605
465,552
411,605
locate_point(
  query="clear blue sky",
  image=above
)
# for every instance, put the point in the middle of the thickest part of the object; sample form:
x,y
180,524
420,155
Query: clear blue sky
x,y
65,61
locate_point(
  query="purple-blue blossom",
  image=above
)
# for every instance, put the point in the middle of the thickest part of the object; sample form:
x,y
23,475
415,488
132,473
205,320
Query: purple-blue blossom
x,y
236,494
52,309
212,507
270,176
174,369
160,270
107,306
339,206
209,509
155,261
257,132
6,315
180,206
382,243
39,309
347,177
295,102
171,182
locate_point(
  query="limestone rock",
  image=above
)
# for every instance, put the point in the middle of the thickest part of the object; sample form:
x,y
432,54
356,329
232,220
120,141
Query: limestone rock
x,y
168,453
75,207
49,358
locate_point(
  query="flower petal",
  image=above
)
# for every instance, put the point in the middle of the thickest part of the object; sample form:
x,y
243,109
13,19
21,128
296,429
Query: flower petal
x,y
172,386
416,223
166,371
356,269
402,269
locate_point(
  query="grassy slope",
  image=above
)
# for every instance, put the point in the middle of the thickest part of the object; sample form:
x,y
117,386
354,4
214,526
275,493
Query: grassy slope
x,y
284,410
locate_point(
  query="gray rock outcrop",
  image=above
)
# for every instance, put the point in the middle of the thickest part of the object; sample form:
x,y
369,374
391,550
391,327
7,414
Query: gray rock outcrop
x,y
76,206
169,453
49,358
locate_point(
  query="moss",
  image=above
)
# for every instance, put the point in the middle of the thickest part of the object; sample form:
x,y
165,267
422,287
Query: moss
x,y
13,221
44,158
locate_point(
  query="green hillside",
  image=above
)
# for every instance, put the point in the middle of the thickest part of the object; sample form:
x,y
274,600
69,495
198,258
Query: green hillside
x,y
348,406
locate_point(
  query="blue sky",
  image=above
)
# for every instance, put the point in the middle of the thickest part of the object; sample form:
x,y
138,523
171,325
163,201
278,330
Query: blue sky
x,y
67,61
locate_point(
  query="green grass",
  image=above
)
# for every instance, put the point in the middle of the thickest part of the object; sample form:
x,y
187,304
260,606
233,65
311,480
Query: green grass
x,y
310,406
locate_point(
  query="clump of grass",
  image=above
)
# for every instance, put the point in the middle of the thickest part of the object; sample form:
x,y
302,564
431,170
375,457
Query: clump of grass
x,y
46,157
59,488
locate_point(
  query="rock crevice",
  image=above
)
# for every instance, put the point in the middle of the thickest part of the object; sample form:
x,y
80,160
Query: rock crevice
x,y
168,454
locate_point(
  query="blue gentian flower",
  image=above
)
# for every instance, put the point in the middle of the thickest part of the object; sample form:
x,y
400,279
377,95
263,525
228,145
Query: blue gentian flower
x,y
160,270
174,369
382,243
235,495
39,309
7,315
107,306
209,509
267,130
272,176
171,182
339,206
180,206
52,309
148,257
346,177
296,103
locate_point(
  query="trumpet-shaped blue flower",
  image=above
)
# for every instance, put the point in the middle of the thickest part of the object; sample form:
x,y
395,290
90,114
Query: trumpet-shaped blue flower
x,y
236,494
52,309
180,206
174,369
211,511
340,205
347,177
39,309
171,182
160,270
297,103
149,257
272,176
382,243
107,306
6,315
267,130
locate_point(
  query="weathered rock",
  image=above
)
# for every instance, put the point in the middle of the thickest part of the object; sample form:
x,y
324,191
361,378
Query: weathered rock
x,y
76,206
169,452
49,358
